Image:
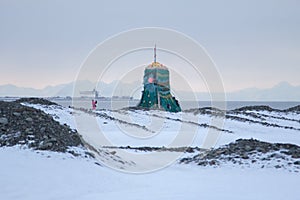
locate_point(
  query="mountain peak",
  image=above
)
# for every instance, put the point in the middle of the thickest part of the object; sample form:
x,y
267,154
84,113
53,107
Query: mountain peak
x,y
283,84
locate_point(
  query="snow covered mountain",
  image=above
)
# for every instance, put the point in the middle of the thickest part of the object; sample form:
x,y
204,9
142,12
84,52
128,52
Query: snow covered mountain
x,y
280,92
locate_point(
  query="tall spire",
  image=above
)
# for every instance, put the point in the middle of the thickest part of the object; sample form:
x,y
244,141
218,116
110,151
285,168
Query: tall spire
x,y
155,53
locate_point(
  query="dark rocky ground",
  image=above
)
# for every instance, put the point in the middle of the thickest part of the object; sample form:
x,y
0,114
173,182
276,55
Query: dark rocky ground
x,y
28,126
246,111
36,101
216,111
242,152
250,151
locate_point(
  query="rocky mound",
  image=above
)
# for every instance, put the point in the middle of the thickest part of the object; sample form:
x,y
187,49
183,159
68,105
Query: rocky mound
x,y
218,112
246,151
35,101
256,108
207,111
266,108
28,126
294,109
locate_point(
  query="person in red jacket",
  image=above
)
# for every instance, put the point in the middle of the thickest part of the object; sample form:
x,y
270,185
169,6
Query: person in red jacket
x,y
94,104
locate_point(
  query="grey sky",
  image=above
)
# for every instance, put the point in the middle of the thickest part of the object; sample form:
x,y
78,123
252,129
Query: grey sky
x,y
254,43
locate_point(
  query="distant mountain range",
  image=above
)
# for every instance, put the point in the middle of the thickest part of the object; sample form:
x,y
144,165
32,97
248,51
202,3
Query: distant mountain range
x,y
70,89
280,92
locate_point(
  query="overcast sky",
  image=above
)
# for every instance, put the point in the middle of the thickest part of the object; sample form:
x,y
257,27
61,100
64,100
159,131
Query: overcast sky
x,y
254,43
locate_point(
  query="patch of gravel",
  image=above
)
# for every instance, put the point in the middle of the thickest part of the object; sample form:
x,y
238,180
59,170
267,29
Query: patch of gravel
x,y
207,111
250,151
295,109
256,118
256,108
35,101
22,125
267,108
157,149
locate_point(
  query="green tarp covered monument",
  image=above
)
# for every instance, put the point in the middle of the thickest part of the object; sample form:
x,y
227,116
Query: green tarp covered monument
x,y
156,93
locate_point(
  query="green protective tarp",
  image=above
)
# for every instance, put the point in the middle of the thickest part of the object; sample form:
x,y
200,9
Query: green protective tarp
x,y
156,93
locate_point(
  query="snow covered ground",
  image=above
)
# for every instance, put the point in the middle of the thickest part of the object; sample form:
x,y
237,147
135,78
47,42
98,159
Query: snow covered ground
x,y
157,128
26,174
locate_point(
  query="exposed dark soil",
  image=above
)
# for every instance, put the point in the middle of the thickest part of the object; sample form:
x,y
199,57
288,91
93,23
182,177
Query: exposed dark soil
x,y
24,125
249,151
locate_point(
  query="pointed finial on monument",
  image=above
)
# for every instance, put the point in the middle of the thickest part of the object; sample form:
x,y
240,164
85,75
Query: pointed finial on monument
x,y
155,53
